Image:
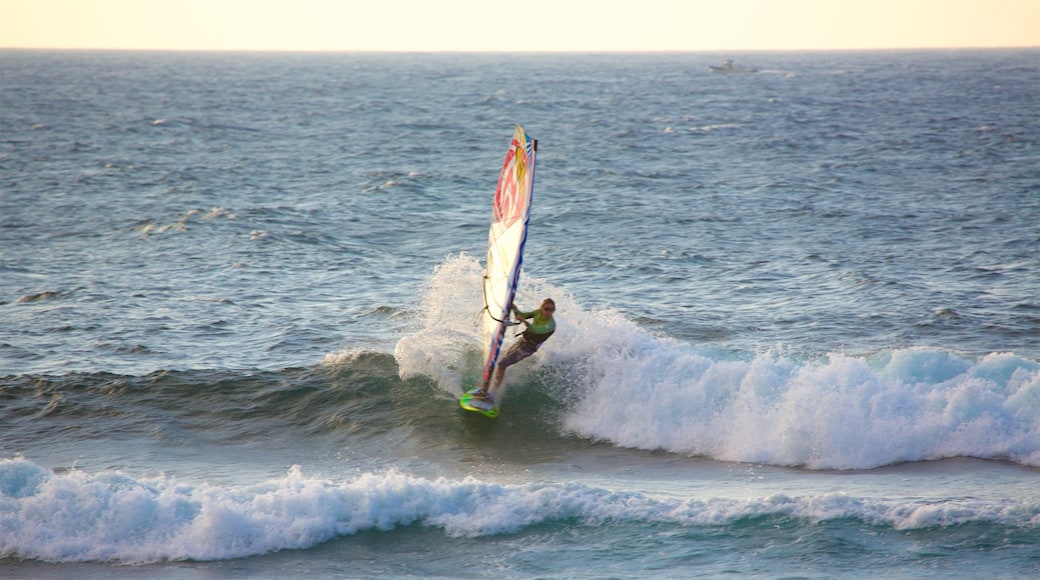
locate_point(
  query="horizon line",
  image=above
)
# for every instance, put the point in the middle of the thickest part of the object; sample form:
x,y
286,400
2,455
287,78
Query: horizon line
x,y
523,51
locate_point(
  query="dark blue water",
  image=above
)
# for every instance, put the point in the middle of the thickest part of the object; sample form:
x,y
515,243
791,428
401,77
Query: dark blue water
x,y
799,324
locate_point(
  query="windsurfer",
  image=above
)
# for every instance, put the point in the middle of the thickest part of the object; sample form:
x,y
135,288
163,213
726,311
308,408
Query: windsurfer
x,y
539,328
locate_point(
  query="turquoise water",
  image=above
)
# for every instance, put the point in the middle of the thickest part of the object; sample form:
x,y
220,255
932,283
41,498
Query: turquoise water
x,y
797,310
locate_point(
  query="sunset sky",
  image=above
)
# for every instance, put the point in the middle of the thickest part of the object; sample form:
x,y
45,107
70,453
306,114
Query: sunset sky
x,y
511,25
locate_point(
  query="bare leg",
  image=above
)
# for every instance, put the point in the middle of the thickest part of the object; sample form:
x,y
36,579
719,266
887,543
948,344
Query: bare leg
x,y
496,381
516,353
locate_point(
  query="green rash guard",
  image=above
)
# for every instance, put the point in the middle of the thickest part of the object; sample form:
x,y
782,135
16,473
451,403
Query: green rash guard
x,y
540,328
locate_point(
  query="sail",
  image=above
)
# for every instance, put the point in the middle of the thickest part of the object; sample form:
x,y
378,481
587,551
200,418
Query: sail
x,y
509,214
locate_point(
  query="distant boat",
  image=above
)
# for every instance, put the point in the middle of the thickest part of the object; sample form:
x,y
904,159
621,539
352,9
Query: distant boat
x,y
729,68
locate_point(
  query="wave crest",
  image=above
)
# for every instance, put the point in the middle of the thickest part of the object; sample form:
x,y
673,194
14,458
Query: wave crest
x,y
76,516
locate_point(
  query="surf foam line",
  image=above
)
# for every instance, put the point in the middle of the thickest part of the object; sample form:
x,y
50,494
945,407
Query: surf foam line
x,y
76,516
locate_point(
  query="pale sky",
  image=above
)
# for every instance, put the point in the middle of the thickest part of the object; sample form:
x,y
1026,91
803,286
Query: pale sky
x,y
518,25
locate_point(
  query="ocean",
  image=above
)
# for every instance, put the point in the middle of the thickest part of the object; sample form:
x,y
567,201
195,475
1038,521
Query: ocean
x,y
798,316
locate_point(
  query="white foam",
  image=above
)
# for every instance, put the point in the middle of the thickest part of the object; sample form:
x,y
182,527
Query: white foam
x,y
842,412
108,516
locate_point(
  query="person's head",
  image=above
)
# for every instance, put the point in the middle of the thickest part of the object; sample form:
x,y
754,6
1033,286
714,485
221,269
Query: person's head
x,y
548,307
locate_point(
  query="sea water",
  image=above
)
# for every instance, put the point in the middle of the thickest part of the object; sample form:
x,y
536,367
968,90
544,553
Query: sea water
x,y
798,316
